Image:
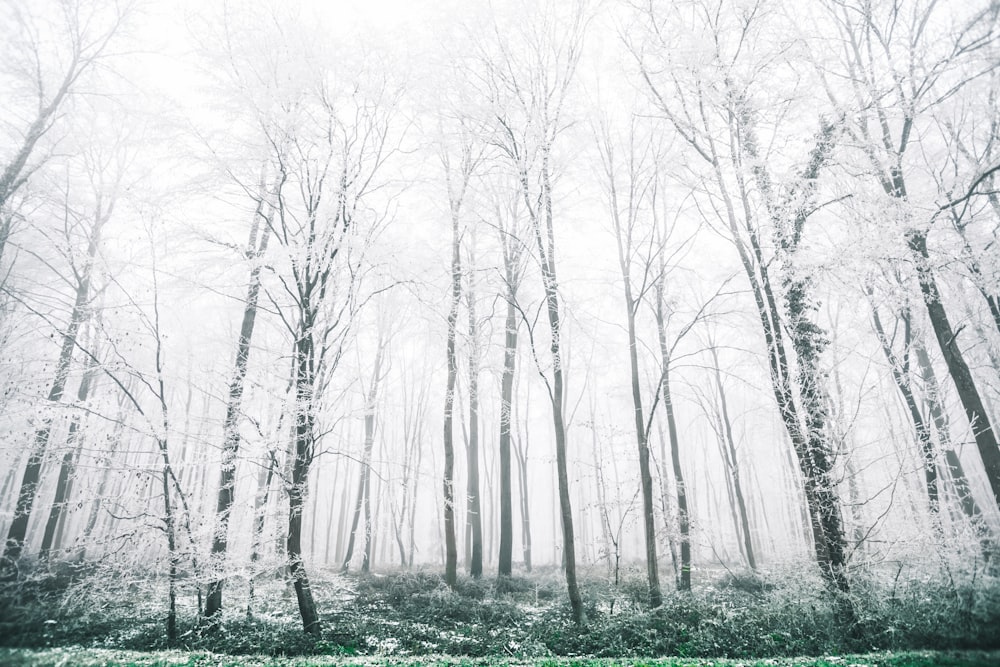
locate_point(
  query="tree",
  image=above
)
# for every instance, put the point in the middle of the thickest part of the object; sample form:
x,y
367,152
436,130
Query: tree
x,y
327,154
457,181
255,250
84,32
474,512
512,250
363,502
91,224
718,120
67,466
625,211
896,78
529,93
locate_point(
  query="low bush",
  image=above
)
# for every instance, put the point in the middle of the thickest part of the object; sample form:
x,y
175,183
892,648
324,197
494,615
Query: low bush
x,y
734,614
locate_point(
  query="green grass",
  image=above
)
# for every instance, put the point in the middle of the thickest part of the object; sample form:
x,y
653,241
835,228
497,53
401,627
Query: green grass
x,y
67,657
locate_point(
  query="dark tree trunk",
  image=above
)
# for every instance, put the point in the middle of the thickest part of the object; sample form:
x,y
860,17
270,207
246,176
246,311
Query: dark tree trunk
x,y
642,440
67,467
301,461
259,516
684,524
504,566
474,507
231,425
939,418
733,465
33,470
451,548
546,253
972,403
171,530
900,369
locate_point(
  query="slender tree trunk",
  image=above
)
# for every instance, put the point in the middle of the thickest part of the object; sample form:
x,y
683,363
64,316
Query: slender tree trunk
x,y
264,478
733,464
31,477
366,554
171,530
972,403
939,418
504,561
475,521
642,440
301,460
451,548
358,507
231,425
546,251
684,583
666,507
900,375
416,492
67,467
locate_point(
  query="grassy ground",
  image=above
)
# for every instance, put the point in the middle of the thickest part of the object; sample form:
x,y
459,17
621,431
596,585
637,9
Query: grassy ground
x,y
66,657
405,615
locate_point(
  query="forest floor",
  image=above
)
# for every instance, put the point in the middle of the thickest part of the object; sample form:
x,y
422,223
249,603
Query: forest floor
x,y
100,615
77,657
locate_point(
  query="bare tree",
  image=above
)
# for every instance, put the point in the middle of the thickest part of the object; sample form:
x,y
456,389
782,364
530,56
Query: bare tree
x,y
895,79
255,250
636,249
718,121
457,179
85,32
529,91
91,224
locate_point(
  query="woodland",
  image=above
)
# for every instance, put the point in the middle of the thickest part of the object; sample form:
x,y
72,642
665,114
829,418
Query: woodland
x,y
499,330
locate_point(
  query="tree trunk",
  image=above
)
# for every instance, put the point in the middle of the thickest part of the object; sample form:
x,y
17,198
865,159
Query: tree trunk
x,y
642,441
301,460
900,375
451,548
546,251
472,487
231,425
67,467
504,561
733,464
33,470
171,530
972,403
259,516
939,418
684,583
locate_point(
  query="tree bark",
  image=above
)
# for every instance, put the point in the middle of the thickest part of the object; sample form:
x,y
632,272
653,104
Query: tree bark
x,y
33,470
733,464
264,478
451,547
472,486
301,461
972,403
546,252
231,425
504,561
939,418
900,375
67,467
641,432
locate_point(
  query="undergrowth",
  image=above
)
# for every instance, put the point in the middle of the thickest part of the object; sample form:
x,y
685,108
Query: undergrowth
x,y
412,613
